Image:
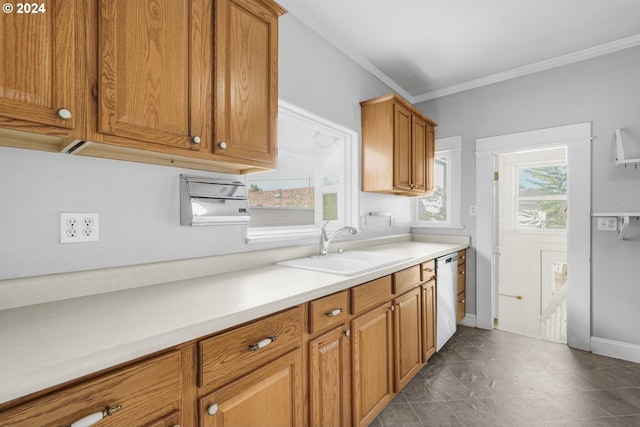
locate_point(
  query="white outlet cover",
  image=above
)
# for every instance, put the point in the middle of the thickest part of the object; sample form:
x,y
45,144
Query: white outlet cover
x,y
607,223
77,227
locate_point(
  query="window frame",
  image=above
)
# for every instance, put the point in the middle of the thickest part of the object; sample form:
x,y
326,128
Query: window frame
x,y
451,148
289,111
515,194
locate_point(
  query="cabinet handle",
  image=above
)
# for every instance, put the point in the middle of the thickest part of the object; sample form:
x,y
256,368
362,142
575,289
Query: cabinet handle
x,y
430,270
196,139
334,312
347,333
392,308
64,114
212,409
222,145
262,344
90,420
463,301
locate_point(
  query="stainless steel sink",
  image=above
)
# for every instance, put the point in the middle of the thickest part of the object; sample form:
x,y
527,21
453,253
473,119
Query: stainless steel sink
x,y
349,263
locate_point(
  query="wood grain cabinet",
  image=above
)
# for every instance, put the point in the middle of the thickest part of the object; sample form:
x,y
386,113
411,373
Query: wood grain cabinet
x,y
428,319
38,72
246,77
190,83
329,360
252,375
398,144
407,326
372,363
154,73
462,286
146,394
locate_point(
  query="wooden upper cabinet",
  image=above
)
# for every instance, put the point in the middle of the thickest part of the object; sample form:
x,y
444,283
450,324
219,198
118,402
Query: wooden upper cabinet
x,y
155,72
246,89
38,69
397,147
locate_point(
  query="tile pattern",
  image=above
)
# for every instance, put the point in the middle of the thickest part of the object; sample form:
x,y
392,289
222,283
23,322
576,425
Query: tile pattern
x,y
495,378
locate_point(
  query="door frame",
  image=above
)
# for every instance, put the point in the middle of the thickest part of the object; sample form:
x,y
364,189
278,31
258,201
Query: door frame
x,y
577,138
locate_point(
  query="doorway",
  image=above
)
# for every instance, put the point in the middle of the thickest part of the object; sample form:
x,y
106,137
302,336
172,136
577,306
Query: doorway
x,y
577,138
532,243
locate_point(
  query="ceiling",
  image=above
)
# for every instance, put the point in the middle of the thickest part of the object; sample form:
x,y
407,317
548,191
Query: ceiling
x,y
425,49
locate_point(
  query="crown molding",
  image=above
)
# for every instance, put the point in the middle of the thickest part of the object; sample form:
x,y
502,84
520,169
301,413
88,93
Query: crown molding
x,y
292,8
536,67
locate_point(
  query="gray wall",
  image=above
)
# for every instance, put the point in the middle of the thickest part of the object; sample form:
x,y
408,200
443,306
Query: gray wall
x,y
138,203
604,91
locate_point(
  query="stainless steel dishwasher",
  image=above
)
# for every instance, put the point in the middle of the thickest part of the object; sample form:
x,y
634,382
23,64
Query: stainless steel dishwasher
x,y
446,290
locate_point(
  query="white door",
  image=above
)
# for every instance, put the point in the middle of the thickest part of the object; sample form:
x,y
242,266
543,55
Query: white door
x,y
532,243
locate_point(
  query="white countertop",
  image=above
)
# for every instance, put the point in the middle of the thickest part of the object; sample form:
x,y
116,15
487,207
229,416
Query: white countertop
x,y
47,344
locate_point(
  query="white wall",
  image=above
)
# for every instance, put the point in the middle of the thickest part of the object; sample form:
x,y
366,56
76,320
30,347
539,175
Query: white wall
x,y
138,204
604,91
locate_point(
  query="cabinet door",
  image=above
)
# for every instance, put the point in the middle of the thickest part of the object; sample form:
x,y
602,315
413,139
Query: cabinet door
x,y
372,363
407,337
330,379
268,397
402,124
246,68
419,155
428,320
430,156
37,73
155,72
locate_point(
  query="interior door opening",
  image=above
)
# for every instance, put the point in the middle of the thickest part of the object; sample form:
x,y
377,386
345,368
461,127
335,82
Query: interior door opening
x,y
531,235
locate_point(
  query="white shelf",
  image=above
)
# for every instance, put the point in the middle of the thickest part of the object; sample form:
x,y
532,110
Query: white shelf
x,y
620,159
623,220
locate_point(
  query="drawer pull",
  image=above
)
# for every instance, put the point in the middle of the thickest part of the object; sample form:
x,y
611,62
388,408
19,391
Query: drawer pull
x,y
212,409
262,344
64,114
90,420
334,312
429,269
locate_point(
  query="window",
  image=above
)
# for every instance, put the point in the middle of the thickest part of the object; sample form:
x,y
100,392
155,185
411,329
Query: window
x,y
313,180
442,208
541,197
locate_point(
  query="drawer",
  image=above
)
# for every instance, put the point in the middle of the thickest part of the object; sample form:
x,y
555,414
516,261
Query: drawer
x,y
462,257
233,354
461,307
147,392
428,270
406,279
328,311
371,294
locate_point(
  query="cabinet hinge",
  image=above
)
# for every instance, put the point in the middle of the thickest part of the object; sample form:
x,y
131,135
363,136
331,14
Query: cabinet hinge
x,y
496,176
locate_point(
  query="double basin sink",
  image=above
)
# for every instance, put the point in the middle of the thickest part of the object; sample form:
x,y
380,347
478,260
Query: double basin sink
x,y
349,263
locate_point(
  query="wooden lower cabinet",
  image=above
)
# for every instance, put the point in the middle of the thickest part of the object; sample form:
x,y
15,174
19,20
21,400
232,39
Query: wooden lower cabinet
x,y
407,335
372,363
147,395
462,286
428,320
330,379
269,396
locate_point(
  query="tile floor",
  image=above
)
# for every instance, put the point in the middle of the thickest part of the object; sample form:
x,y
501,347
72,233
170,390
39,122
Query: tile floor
x,y
495,378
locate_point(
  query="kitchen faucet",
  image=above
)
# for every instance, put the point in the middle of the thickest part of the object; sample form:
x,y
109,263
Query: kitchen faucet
x,y
325,240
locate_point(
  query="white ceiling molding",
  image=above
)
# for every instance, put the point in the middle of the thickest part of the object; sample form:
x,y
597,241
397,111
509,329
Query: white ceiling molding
x,y
364,62
547,64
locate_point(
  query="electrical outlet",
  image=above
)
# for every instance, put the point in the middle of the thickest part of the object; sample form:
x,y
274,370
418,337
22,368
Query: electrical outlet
x,y
607,223
472,210
78,227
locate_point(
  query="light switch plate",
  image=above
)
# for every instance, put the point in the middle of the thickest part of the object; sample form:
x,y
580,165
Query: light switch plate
x,y
607,223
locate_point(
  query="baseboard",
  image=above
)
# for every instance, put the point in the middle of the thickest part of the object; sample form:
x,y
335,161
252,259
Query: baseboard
x,y
617,349
469,320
